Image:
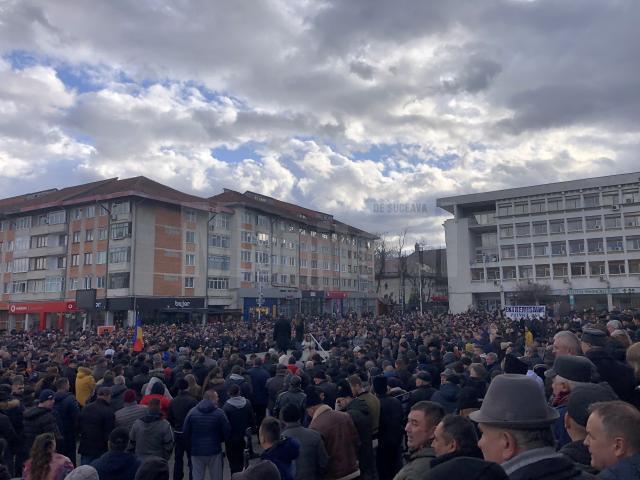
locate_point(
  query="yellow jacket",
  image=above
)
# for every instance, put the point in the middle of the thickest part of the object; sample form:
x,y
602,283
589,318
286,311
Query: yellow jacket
x,y
85,383
528,338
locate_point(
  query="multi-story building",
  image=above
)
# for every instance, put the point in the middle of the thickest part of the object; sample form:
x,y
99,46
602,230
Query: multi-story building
x,y
578,240
134,245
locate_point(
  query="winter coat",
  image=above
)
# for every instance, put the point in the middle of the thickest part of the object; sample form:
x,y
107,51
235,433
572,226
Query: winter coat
x,y
418,464
67,410
97,420
625,469
542,464
391,430
117,396
447,396
617,374
341,440
259,377
179,409
38,420
164,402
127,415
282,333
293,396
313,460
240,415
151,435
330,391
241,381
275,385
361,416
205,428
474,452
117,466
59,467
7,432
13,409
579,453
85,384
374,410
283,454
479,386
420,394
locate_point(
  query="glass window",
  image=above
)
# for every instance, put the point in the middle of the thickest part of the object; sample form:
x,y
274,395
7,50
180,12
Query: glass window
x,y
539,228
520,208
22,243
578,269
119,280
120,207
509,273
592,200
541,249
632,221
633,243
597,268
508,251
617,268
75,260
56,218
558,248
613,222
91,211
554,204
525,271
221,222
556,226
221,262
576,247
506,231
572,202
101,257
77,213
543,271
191,216
524,250
88,258
630,196
53,284
610,199
190,260
615,244
505,209
120,231
119,255
245,255
537,206
190,236
523,229
89,236
100,281
218,283
574,224
594,223
595,245
39,241
76,237
246,236
188,282
560,270
23,223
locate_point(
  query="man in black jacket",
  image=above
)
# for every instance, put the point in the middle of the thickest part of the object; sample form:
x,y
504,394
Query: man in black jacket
x,y
282,334
67,409
454,436
97,420
178,410
240,415
424,390
40,419
390,431
117,464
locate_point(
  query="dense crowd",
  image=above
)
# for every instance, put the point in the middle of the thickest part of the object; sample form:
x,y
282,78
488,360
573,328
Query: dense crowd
x,y
411,396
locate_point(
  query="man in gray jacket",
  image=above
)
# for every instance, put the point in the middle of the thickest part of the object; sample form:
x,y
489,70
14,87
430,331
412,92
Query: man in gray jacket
x,y
151,435
312,462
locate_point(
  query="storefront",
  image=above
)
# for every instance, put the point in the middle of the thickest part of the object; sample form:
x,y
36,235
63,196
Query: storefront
x,y
156,310
269,301
54,315
312,302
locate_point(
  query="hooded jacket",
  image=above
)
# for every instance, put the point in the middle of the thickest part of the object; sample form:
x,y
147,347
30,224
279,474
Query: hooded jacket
x,y
179,409
205,428
151,435
240,415
85,384
447,396
282,454
117,466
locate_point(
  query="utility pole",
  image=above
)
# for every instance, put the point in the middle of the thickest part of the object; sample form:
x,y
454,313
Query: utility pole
x,y
418,249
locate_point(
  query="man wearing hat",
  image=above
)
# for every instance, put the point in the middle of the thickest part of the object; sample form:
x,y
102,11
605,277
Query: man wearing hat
x,y
390,433
423,391
447,395
40,419
515,422
575,421
567,373
617,374
339,434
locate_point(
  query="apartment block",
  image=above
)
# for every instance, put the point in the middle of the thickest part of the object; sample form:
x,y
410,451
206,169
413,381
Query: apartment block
x,y
579,240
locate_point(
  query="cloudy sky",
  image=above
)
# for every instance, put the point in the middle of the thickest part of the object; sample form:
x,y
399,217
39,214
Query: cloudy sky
x,y
336,105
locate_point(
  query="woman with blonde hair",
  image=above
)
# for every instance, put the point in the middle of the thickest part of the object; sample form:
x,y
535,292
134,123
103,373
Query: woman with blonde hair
x,y
44,463
194,389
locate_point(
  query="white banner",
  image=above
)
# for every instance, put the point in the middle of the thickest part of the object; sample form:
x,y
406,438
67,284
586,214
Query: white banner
x,y
518,311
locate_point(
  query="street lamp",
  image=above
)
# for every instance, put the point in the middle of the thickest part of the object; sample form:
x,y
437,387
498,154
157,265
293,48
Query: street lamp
x,y
418,249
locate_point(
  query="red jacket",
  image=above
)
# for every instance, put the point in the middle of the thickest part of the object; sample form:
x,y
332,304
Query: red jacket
x,y
164,403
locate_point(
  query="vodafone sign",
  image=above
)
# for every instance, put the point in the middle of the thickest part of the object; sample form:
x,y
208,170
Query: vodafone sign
x,y
43,307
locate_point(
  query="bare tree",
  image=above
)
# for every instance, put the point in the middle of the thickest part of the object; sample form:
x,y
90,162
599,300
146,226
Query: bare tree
x,y
532,293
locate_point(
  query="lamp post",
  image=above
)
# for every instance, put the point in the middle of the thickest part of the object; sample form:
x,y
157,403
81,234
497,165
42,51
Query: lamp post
x,y
418,249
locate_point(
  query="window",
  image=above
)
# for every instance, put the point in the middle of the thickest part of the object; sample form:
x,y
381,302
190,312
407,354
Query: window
x,y
578,270
221,221
304,263
633,243
188,282
190,259
119,280
617,268
39,241
632,221
526,271
100,282
218,283
103,209
73,284
62,240
614,244
576,247
523,229
87,281
477,274
190,236
20,265
120,255
120,207
221,241
506,231
38,263
292,261
572,202
22,243
554,204
634,267
61,262
520,208
102,234
508,273
574,224
23,223
246,276
263,239
591,201
541,249
262,221
191,216
262,257
101,257
597,268
19,286
53,284
219,262
314,264
610,199
246,237
524,250
543,271
560,270
537,206
57,218
493,274
630,196
245,255
76,237
262,277
594,223
504,210
285,278
539,228
77,213
120,231
558,248
595,245
612,222
91,211
556,226
75,260
508,251
247,217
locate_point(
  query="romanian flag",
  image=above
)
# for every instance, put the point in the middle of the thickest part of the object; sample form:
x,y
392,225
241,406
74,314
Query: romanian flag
x,y
138,342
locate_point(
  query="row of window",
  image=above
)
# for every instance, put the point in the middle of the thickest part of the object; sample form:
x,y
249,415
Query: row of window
x,y
576,247
283,279
26,264
578,224
569,202
557,270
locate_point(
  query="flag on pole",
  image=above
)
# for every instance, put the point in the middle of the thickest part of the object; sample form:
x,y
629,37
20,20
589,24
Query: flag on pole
x,y
138,342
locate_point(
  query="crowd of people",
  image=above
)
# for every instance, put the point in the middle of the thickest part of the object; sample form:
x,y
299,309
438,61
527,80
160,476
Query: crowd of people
x,y
399,397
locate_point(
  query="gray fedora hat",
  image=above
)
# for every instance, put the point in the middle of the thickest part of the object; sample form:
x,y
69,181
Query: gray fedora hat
x,y
515,401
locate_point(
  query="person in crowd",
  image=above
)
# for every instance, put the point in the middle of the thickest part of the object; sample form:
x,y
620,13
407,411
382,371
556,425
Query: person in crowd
x,y
515,421
157,390
613,439
282,333
327,388
85,385
117,392
66,409
566,343
261,470
339,434
313,460
455,436
178,411
153,468
575,421
241,416
390,432
468,468
117,463
282,452
14,453
360,392
423,419
40,419
215,381
275,385
293,396
96,420
205,429
151,435
260,397
424,390
447,395
44,463
130,412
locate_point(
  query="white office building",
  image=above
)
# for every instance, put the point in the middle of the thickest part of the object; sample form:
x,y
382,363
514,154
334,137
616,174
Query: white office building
x,y
579,241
